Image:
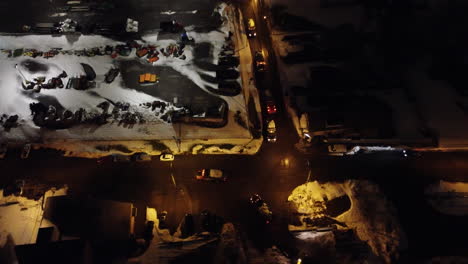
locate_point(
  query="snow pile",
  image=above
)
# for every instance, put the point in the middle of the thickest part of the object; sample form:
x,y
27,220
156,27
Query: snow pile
x,y
444,186
273,255
217,149
47,42
162,249
164,235
230,248
449,197
448,260
371,215
22,217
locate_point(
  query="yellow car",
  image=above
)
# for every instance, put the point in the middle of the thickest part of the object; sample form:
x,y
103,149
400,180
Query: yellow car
x,y
148,78
251,28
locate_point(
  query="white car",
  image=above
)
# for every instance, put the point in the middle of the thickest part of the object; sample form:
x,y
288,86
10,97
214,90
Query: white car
x,y
166,157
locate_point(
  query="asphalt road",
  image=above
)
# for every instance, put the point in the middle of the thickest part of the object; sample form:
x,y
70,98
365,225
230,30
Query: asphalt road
x,y
402,179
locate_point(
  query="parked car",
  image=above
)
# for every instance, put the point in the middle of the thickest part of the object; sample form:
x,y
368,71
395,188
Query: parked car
x,y
141,157
102,29
148,79
230,61
120,158
211,175
270,107
14,188
3,150
46,28
25,152
166,157
171,26
251,30
260,63
229,87
271,131
261,208
269,102
142,52
211,222
111,75
227,74
162,219
188,226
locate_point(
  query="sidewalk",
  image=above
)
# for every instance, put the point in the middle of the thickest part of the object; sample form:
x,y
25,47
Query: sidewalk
x,y
243,51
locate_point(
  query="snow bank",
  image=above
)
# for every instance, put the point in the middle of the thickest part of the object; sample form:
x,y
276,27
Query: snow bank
x,y
371,214
448,197
269,255
444,186
162,248
22,217
46,42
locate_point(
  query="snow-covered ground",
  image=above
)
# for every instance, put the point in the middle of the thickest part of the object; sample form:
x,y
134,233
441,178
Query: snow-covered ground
x,y
21,218
448,197
436,107
15,101
371,215
327,16
164,248
437,103
298,74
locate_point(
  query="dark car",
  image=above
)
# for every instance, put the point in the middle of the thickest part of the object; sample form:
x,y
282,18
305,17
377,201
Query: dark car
x,y
111,75
260,64
211,222
89,71
188,226
261,208
102,29
123,50
14,188
227,74
171,26
162,220
229,87
230,61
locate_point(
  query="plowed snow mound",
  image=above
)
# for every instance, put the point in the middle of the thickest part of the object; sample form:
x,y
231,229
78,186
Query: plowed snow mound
x,y
371,215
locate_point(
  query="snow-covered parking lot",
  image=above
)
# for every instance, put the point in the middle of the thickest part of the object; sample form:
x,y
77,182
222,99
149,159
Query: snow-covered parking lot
x,y
138,115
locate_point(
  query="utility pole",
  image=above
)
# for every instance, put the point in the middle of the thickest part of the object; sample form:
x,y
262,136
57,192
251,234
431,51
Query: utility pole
x,y
309,173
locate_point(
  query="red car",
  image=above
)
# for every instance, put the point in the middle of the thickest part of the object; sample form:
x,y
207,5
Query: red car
x,y
271,107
